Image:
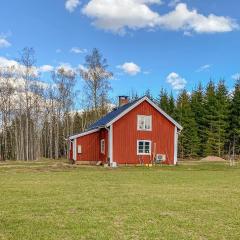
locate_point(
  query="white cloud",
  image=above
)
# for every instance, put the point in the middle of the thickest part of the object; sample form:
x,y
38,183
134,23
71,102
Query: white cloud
x,y
118,16
68,69
66,66
191,21
46,68
204,68
71,5
4,42
236,76
115,15
78,50
4,62
17,69
130,68
177,82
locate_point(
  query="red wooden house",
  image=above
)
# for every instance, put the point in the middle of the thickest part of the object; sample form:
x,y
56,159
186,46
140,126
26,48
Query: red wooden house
x,y
136,132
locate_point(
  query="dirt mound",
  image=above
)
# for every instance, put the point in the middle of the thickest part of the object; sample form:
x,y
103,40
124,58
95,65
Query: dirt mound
x,y
212,159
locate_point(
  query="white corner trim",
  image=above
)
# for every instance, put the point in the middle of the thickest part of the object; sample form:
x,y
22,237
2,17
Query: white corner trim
x,y
83,134
110,144
175,145
151,103
75,150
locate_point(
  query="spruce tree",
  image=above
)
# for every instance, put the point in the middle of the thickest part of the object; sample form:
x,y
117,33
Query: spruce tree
x,y
223,105
149,94
188,139
163,100
210,121
171,106
234,120
77,123
197,106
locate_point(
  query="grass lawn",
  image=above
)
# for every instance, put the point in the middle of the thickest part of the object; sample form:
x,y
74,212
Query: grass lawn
x,y
53,200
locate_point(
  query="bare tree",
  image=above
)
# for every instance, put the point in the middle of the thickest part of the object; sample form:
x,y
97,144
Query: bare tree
x,y
96,77
29,76
64,80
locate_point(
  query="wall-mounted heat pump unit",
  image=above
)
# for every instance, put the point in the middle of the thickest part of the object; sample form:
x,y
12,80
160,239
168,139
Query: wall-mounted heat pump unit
x,y
160,158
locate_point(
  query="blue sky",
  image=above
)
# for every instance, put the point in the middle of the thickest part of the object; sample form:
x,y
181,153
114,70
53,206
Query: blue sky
x,y
148,43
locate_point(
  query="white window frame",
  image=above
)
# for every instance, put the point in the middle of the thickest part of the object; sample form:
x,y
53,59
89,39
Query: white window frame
x,y
102,146
150,147
145,117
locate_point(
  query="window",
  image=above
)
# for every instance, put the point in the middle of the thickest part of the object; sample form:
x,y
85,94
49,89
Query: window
x,y
79,149
144,123
102,146
143,147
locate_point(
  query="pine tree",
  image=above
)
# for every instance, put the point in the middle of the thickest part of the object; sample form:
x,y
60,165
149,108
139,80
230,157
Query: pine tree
x,y
77,123
149,94
188,139
197,98
171,106
223,105
163,100
210,121
234,120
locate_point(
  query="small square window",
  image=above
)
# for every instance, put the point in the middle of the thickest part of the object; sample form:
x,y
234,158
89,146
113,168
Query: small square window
x,y
144,123
143,147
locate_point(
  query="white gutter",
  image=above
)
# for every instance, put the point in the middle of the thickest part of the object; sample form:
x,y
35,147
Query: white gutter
x,y
84,134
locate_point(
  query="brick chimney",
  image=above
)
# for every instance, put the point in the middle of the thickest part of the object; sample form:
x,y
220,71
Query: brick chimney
x,y
122,100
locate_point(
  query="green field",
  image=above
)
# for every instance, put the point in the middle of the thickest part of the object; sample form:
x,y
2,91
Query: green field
x,y
54,200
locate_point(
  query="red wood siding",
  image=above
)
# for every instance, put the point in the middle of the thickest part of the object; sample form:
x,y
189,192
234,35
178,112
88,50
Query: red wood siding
x,y
125,136
90,147
103,135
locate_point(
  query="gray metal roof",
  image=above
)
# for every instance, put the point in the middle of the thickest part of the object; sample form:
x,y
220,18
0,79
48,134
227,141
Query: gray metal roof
x,y
110,116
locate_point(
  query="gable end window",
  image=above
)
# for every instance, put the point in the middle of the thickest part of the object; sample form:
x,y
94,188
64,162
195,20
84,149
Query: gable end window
x,y
102,144
143,147
144,123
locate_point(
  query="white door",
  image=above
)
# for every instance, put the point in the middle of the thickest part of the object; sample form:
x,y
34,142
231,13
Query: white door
x,y
75,149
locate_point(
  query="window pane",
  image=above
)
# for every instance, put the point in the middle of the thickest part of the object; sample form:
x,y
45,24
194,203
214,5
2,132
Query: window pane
x,y
147,144
147,122
147,147
141,122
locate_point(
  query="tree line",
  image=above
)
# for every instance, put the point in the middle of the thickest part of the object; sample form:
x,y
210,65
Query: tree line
x,y
37,117
210,117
